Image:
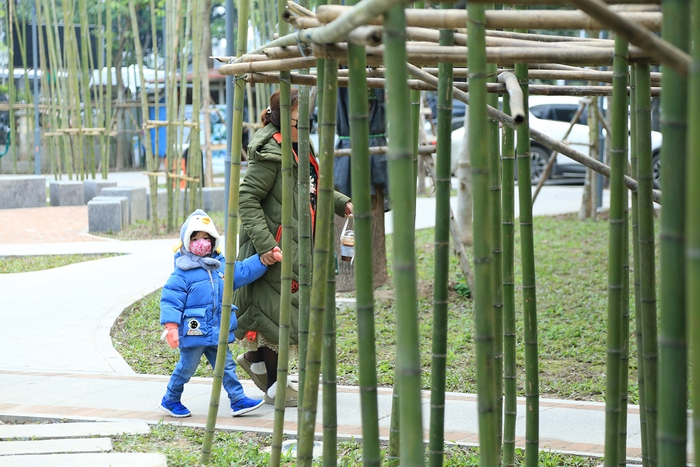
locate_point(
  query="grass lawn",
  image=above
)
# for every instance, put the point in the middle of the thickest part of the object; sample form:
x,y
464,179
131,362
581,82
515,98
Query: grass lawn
x,y
182,447
16,264
571,262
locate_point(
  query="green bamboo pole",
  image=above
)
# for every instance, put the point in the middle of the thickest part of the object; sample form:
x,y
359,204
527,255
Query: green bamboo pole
x,y
14,142
436,448
57,88
529,281
72,62
108,100
364,289
231,236
100,87
479,141
624,335
495,172
693,219
640,112
183,52
330,399
400,157
415,119
144,97
508,234
285,315
304,226
624,357
153,161
394,449
647,279
194,162
321,261
673,350
173,14
618,159
87,98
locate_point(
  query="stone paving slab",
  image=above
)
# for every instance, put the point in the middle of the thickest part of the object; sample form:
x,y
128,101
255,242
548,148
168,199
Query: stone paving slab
x,y
53,446
87,460
73,430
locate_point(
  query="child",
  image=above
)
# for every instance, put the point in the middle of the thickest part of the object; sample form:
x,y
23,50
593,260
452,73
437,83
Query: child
x,y
190,309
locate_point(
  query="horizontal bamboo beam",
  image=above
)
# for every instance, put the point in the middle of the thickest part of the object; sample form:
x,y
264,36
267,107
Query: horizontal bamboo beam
x,y
423,149
574,74
425,55
566,2
538,136
636,34
502,19
496,88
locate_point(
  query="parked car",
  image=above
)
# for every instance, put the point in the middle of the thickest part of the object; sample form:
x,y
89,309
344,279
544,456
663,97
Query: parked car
x,y
551,115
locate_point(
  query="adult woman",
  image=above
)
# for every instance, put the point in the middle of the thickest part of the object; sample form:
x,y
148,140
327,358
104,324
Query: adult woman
x,y
260,210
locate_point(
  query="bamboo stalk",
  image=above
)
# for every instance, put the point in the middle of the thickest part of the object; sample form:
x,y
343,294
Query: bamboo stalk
x,y
636,33
360,170
231,238
495,180
517,110
673,347
441,257
618,155
647,268
285,313
639,110
508,233
321,263
108,100
524,133
330,402
144,108
400,159
483,239
497,19
693,219
305,243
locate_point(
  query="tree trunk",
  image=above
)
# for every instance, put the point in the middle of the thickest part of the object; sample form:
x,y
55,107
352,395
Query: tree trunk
x,y
464,192
345,281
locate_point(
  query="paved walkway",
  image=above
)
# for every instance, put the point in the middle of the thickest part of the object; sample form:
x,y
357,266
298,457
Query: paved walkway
x,y
58,360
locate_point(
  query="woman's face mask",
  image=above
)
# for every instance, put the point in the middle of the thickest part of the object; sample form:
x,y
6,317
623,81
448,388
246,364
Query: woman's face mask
x,y
201,247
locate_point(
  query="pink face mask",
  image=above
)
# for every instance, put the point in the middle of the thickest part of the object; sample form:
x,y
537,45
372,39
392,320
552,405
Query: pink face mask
x,y
201,247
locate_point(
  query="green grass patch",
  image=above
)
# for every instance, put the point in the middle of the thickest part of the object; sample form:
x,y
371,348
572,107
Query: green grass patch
x,y
17,264
182,448
571,268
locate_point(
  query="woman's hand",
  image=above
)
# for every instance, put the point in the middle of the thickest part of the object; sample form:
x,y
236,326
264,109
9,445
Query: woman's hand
x,y
271,257
348,208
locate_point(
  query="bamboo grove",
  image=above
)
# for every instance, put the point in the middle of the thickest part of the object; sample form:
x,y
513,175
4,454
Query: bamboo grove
x,y
106,86
405,50
481,55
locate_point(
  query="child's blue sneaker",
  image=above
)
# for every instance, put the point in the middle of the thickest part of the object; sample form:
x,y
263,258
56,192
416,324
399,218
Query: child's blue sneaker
x,y
174,409
245,405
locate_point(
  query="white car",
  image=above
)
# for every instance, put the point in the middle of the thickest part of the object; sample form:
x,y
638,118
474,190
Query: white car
x,y
551,115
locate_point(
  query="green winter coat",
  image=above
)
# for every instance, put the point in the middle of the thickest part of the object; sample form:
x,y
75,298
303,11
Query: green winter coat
x,y
260,211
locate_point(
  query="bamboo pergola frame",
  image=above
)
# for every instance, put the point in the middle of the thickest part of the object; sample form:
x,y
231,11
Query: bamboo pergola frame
x,y
370,28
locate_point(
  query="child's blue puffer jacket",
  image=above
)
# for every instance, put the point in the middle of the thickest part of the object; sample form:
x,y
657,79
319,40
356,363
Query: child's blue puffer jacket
x,y
193,299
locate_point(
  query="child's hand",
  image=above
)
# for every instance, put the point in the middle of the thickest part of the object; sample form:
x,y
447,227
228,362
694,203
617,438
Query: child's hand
x,y
172,335
271,257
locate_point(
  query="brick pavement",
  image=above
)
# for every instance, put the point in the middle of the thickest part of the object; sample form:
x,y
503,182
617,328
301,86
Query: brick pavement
x,y
51,224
